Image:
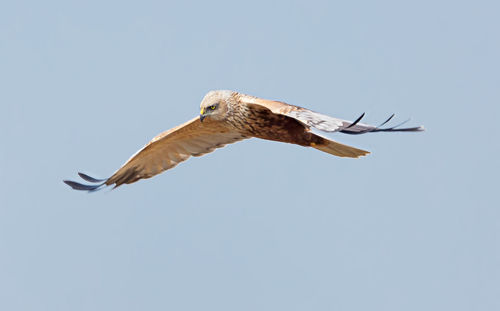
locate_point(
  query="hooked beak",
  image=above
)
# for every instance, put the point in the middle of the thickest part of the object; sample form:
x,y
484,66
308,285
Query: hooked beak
x,y
202,114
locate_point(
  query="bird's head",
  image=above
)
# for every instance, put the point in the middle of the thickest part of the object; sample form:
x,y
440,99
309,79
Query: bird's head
x,y
216,104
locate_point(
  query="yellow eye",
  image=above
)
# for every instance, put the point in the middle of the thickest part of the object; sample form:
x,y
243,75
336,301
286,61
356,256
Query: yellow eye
x,y
212,107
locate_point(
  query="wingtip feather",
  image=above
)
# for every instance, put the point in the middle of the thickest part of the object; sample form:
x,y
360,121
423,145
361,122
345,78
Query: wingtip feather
x,y
90,178
79,186
357,121
83,187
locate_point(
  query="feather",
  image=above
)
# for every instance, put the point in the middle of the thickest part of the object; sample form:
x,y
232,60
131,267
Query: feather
x,y
90,179
78,186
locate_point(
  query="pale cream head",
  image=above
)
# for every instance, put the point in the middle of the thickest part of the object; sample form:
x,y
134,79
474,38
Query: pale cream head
x,y
216,104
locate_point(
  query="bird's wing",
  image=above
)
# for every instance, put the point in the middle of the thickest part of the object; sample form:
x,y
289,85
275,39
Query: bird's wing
x,y
165,151
323,122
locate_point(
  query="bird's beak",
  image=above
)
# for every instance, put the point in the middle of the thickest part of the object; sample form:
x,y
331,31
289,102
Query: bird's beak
x,y
202,114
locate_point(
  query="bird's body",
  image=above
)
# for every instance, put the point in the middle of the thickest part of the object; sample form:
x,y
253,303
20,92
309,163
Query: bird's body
x,y
255,121
227,117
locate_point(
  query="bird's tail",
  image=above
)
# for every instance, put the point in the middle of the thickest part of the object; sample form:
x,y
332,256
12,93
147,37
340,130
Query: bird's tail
x,y
338,149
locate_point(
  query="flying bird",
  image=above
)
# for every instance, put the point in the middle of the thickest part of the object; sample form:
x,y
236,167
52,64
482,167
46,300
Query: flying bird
x,y
227,117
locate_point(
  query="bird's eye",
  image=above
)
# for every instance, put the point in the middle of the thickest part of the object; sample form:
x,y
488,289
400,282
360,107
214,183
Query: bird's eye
x,y
212,107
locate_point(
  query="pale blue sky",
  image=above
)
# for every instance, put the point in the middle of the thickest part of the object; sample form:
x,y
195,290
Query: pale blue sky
x,y
257,225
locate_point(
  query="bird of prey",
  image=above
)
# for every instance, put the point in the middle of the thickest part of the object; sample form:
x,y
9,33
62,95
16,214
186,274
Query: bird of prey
x,y
227,117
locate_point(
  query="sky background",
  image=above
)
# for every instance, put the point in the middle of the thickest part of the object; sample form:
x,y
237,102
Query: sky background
x,y
257,225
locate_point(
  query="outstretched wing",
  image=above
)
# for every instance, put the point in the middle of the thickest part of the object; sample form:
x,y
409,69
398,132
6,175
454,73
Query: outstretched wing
x,y
323,122
165,151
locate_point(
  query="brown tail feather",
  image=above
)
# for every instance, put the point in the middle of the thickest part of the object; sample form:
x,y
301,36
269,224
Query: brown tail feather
x,y
338,149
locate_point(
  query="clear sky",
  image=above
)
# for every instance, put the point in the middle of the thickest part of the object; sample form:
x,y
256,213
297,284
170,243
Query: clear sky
x,y
257,225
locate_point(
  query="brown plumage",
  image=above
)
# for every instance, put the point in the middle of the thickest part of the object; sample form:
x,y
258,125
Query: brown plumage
x,y
227,117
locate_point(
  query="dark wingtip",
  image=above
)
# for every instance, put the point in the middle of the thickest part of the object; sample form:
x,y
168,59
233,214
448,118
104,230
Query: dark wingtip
x,y
100,183
395,128
408,129
89,178
78,186
357,121
388,119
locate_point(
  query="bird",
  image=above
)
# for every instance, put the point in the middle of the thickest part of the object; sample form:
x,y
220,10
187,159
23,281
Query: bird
x,y
227,117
